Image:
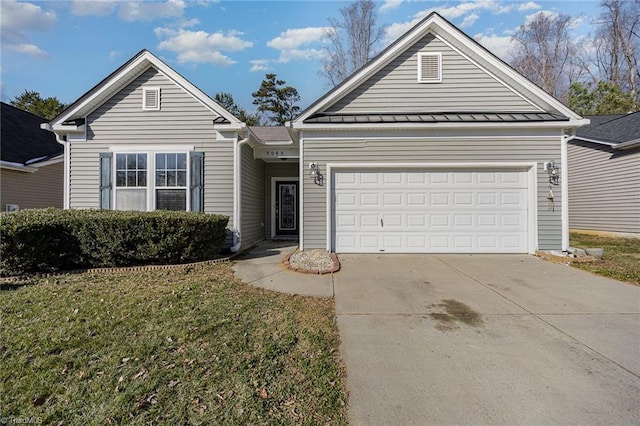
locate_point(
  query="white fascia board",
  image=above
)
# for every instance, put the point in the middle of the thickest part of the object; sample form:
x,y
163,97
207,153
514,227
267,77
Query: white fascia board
x,y
55,160
18,167
628,144
450,125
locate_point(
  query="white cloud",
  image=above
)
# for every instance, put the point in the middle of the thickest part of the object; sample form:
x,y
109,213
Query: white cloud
x,y
290,43
114,54
149,11
297,37
469,20
390,5
530,18
200,46
19,19
501,46
28,49
259,65
524,7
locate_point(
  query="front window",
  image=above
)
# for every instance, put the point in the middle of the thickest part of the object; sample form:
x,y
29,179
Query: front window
x,y
131,181
171,181
151,181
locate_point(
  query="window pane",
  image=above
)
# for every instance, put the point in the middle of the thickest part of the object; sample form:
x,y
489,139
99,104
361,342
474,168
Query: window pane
x,y
142,161
121,178
131,199
171,199
182,178
160,161
182,161
171,161
121,161
161,179
171,178
131,161
131,179
142,178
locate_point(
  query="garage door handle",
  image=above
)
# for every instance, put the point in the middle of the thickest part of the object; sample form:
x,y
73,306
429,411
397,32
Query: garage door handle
x,y
381,223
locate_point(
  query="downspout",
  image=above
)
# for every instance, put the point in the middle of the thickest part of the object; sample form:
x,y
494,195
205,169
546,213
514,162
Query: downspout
x,y
237,201
67,156
564,165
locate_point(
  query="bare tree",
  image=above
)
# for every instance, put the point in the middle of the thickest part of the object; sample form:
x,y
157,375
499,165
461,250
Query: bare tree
x,y
544,52
352,41
617,44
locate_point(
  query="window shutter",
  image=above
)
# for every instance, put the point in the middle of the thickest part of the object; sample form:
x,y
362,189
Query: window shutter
x,y
106,180
197,181
151,98
429,67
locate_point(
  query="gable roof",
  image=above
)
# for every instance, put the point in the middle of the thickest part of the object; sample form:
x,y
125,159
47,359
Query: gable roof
x,y
447,32
22,141
620,131
122,76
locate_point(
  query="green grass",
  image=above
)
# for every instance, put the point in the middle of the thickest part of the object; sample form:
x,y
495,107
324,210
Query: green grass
x,y
190,345
621,259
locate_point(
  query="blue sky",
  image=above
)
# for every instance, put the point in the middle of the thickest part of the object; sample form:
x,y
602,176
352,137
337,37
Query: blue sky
x,y
64,48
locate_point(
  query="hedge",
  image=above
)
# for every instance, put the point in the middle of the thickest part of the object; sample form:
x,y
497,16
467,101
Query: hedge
x,y
48,240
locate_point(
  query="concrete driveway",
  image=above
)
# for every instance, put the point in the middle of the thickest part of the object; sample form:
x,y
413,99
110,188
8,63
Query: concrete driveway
x,y
486,339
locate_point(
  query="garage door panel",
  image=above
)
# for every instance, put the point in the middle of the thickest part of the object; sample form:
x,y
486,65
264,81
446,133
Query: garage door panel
x,y
431,211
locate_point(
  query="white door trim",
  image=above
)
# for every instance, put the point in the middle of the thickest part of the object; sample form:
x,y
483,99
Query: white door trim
x,y
273,201
532,226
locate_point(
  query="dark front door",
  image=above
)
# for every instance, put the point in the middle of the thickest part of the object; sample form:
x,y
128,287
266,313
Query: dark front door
x,y
286,208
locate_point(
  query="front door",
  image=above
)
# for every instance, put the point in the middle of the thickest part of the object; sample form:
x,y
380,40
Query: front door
x,y
286,208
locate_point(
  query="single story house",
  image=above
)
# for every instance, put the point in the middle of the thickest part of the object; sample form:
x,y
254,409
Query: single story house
x,y
435,145
604,175
31,162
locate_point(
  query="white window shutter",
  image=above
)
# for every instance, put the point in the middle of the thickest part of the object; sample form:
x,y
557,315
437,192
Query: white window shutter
x,y
429,67
151,98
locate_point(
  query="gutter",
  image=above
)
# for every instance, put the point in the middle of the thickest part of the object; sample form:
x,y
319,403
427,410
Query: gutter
x,y
237,193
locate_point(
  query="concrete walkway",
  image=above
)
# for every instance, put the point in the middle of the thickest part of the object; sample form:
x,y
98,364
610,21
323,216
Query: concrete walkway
x,y
262,267
482,339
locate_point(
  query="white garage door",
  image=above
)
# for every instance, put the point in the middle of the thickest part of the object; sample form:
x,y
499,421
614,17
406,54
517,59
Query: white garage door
x,y
433,211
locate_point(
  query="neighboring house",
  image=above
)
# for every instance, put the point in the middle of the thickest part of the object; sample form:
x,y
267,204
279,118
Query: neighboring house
x,y
434,146
604,175
31,162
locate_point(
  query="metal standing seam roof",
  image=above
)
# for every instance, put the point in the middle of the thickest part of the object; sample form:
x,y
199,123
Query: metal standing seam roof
x,y
432,117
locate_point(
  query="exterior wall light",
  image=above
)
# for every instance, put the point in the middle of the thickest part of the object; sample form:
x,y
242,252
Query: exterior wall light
x,y
553,171
318,179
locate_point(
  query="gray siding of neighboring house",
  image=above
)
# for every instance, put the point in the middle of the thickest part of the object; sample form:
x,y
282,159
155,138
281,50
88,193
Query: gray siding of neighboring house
x,y
604,188
41,189
464,87
287,169
528,146
253,198
181,120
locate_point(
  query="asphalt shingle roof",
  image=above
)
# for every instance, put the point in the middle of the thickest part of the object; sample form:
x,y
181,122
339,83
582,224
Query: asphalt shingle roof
x,y
22,139
611,128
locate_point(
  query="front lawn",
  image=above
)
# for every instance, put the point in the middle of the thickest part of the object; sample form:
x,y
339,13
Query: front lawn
x,y
190,345
621,256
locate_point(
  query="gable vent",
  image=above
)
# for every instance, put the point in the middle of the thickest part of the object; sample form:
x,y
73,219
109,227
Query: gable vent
x,y
151,98
429,67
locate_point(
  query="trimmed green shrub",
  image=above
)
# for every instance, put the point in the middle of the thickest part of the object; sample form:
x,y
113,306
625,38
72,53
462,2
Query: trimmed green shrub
x,y
54,240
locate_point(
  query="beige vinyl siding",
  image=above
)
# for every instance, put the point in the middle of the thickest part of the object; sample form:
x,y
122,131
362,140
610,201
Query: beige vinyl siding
x,y
604,188
283,169
180,120
416,149
253,198
464,87
41,189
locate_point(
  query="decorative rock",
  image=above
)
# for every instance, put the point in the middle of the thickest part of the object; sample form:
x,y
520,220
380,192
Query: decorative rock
x,y
312,262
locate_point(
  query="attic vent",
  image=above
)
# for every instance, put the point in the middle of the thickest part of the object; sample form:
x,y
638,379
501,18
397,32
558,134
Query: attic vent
x,y
151,98
429,67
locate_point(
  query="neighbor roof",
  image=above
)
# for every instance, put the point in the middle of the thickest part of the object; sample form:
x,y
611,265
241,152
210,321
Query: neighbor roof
x,y
22,140
611,129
